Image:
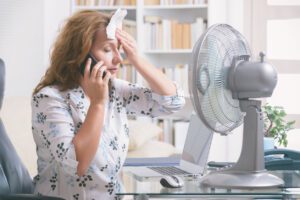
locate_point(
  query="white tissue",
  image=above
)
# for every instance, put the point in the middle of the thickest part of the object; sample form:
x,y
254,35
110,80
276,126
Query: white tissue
x,y
115,22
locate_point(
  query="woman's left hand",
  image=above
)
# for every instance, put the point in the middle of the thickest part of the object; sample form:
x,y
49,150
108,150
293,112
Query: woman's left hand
x,y
129,45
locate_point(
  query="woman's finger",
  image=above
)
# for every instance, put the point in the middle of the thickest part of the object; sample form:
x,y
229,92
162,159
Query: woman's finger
x,y
124,40
101,72
124,33
96,68
126,37
94,72
126,49
129,37
121,34
127,46
131,42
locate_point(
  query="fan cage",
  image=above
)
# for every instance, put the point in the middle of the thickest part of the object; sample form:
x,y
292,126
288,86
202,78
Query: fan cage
x,y
213,55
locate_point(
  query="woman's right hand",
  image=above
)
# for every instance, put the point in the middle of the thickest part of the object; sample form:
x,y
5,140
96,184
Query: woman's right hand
x,y
94,86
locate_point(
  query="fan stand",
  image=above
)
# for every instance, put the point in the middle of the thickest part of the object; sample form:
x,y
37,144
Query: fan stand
x,y
249,172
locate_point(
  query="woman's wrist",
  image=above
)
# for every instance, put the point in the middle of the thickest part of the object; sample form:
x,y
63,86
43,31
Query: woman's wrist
x,y
97,105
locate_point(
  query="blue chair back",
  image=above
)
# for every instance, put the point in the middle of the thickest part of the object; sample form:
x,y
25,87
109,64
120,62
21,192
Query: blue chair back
x,y
14,177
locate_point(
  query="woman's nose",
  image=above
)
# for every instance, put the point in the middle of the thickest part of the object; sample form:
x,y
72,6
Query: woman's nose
x,y
117,58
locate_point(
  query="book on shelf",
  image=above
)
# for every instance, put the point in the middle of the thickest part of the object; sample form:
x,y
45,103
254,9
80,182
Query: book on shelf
x,y
179,74
186,36
127,72
105,2
180,133
197,28
152,19
129,26
152,2
168,34
174,2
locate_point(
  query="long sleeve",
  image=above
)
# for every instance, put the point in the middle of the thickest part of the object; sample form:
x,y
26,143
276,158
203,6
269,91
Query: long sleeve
x,y
54,129
140,100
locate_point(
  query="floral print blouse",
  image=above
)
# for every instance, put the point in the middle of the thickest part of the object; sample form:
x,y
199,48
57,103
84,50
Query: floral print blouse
x,y
56,118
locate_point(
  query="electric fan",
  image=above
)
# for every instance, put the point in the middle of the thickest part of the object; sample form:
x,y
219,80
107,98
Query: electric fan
x,y
222,83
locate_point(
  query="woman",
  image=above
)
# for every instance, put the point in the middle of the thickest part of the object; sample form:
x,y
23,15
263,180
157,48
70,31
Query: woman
x,y
80,121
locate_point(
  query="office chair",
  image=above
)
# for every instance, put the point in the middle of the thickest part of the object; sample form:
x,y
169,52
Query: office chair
x,y
15,181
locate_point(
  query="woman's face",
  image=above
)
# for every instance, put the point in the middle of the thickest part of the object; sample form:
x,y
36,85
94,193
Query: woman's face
x,y
107,50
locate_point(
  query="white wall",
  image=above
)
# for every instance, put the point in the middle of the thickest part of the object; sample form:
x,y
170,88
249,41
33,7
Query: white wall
x,y
227,11
55,13
21,44
27,30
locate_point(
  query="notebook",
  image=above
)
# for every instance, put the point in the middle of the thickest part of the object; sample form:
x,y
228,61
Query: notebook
x,y
192,161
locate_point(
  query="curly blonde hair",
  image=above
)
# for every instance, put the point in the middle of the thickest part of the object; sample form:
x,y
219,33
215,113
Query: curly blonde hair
x,y
71,48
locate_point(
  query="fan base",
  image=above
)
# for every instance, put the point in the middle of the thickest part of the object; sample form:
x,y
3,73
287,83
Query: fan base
x,y
241,180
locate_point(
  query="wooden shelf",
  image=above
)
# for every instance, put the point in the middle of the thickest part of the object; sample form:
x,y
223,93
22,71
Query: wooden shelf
x,y
104,7
158,7
171,51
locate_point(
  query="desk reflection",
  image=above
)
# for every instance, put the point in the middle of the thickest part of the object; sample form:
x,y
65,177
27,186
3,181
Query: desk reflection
x,y
144,188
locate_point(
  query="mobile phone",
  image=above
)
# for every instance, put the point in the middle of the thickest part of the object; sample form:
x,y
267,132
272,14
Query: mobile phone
x,y
93,63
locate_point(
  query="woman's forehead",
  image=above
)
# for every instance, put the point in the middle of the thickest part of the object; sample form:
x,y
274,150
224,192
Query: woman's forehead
x,y
101,39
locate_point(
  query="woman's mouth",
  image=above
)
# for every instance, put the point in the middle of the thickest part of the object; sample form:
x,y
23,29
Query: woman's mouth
x,y
113,70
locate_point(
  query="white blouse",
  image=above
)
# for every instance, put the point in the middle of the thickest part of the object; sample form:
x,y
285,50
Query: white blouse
x,y
56,118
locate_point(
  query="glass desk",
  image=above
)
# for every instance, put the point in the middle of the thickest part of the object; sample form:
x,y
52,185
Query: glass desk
x,y
137,188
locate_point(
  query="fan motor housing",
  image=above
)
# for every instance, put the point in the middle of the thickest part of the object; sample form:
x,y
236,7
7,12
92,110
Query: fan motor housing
x,y
252,79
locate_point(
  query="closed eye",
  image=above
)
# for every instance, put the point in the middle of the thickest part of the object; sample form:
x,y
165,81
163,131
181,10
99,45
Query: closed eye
x,y
107,50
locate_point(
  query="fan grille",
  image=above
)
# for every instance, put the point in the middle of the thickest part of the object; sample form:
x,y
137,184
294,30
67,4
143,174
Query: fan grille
x,y
212,57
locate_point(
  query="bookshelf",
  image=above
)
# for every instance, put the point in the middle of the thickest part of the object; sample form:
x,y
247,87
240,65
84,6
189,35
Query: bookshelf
x,y
163,19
